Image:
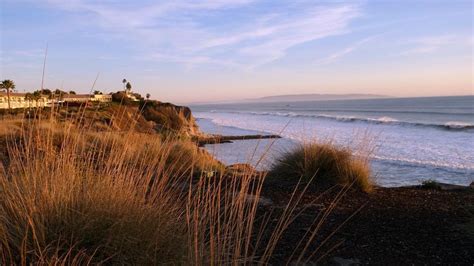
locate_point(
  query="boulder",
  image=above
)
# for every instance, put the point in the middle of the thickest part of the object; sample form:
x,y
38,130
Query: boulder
x,y
344,262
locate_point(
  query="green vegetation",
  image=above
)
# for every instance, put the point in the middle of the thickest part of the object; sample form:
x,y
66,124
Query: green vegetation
x,y
325,165
7,85
431,184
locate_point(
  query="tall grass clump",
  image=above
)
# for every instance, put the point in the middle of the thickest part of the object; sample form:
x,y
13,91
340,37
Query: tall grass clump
x,y
325,164
72,195
67,196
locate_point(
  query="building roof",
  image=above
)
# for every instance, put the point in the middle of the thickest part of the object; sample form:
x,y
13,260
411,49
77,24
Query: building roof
x,y
12,94
75,96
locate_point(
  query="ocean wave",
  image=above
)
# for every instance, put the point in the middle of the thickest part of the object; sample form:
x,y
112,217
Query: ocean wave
x,y
447,166
452,125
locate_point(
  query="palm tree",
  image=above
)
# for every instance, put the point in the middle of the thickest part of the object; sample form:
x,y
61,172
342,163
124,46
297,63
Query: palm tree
x,y
148,96
124,81
29,98
36,97
8,85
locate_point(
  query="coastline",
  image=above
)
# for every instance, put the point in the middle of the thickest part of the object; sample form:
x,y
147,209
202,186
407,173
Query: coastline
x,y
379,226
387,172
400,225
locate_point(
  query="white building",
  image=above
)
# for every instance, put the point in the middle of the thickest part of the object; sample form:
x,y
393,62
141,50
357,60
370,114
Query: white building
x,y
104,98
18,100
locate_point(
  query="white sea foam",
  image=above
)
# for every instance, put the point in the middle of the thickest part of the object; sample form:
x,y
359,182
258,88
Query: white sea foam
x,y
406,153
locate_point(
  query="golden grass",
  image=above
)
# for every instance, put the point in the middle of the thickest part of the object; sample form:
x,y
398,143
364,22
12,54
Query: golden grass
x,y
326,163
72,195
66,194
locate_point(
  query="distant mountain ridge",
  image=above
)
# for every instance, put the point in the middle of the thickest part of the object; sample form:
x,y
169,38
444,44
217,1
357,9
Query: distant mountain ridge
x,y
314,97
298,98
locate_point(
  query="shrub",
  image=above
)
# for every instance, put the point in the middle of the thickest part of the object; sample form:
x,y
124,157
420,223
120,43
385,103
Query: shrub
x,y
121,97
185,158
326,164
430,184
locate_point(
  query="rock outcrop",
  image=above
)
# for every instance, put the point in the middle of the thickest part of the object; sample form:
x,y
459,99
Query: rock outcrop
x,y
170,117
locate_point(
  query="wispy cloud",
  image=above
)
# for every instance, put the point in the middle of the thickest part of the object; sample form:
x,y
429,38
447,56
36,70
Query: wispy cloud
x,y
29,53
429,44
183,32
341,53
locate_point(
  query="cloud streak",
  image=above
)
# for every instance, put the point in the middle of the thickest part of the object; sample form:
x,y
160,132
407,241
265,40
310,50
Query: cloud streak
x,y
339,54
429,44
206,32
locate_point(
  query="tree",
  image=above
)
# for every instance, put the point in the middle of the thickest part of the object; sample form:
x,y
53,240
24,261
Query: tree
x,y
8,85
128,86
124,81
96,92
72,92
148,96
59,92
29,98
36,97
46,92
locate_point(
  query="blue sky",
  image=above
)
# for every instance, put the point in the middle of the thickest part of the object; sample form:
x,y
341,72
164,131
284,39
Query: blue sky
x,y
187,50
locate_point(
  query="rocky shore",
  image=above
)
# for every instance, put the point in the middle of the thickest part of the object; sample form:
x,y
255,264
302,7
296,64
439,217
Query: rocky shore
x,y
389,226
217,139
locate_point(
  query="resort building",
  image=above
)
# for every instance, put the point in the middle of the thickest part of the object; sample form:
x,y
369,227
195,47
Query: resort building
x,y
104,98
19,100
77,98
130,95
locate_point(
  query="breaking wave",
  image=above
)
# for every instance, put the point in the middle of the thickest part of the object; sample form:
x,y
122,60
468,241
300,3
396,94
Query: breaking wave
x,y
452,125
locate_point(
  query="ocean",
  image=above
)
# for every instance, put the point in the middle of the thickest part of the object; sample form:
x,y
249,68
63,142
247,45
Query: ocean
x,y
410,139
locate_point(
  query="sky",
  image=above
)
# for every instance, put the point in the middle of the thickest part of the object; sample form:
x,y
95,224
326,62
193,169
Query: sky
x,y
212,50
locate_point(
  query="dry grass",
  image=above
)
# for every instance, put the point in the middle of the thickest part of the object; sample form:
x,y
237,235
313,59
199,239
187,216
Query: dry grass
x,y
71,195
100,197
326,163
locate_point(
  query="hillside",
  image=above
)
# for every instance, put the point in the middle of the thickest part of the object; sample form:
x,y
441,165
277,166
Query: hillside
x,y
145,117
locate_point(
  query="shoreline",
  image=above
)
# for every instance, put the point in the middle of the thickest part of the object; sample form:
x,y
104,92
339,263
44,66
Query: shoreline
x,y
422,224
390,172
219,139
399,225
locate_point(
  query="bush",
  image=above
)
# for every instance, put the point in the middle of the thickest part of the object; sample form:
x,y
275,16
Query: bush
x,y
430,184
326,164
185,158
121,97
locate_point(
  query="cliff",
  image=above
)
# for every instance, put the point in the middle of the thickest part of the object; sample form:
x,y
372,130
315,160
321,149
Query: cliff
x,y
144,117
